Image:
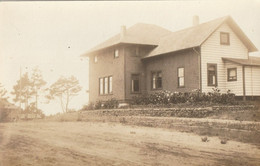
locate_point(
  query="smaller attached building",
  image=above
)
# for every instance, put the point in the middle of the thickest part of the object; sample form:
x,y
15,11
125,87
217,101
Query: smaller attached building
x,y
243,73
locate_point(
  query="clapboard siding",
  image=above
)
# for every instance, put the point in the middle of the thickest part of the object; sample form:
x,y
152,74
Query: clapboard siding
x,y
252,81
235,86
212,52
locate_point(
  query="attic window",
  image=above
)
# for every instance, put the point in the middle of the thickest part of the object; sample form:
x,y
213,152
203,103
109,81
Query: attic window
x,y
95,59
116,53
224,38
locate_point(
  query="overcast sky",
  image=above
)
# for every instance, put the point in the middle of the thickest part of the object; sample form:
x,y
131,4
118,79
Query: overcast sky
x,y
53,35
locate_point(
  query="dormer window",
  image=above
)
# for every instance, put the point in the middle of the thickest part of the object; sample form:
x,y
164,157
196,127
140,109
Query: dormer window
x,y
224,38
116,53
95,59
137,51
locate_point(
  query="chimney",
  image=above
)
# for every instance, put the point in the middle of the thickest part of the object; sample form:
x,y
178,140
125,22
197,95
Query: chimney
x,y
123,31
196,20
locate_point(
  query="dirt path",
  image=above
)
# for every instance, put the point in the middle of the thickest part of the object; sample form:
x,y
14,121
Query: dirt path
x,y
92,143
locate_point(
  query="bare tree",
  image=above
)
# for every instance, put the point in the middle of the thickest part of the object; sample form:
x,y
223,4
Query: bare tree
x,y
64,89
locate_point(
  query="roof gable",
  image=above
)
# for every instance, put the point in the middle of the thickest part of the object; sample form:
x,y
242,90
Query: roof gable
x,y
195,36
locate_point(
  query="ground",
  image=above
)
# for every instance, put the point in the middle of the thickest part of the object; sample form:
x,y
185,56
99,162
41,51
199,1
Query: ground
x,y
98,143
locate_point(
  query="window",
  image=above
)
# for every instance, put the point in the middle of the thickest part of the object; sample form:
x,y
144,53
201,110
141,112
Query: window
x,y
212,74
106,85
157,80
181,77
101,86
95,59
110,84
224,38
116,53
232,74
135,83
136,51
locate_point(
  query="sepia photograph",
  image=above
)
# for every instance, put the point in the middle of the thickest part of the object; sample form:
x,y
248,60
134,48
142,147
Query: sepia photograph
x,y
130,83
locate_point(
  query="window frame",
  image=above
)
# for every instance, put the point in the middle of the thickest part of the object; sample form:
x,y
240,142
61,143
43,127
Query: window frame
x,y
95,59
105,86
228,74
216,74
178,77
139,82
110,91
156,80
116,53
228,38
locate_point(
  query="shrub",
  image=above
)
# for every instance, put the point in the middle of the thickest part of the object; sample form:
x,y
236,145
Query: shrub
x,y
98,105
112,103
89,106
196,96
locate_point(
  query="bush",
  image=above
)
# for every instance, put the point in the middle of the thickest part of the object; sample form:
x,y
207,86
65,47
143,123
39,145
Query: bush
x,y
196,96
112,103
89,106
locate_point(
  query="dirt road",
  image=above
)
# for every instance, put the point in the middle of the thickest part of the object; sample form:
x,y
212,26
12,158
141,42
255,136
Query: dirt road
x,y
93,143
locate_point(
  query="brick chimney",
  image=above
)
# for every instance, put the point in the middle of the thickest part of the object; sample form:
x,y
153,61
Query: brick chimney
x,y
123,31
196,20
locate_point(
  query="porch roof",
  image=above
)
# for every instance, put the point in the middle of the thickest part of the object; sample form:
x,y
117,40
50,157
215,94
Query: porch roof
x,y
251,61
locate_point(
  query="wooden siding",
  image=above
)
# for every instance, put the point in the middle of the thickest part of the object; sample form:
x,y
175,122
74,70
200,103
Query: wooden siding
x,y
235,86
252,81
212,52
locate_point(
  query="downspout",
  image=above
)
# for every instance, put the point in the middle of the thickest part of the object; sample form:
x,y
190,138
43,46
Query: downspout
x,y
199,64
244,83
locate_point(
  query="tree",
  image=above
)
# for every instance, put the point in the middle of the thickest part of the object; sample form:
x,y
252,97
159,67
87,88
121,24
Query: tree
x,y
64,89
37,84
23,90
3,92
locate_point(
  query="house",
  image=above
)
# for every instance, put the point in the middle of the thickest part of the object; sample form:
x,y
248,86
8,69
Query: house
x,y
8,111
147,58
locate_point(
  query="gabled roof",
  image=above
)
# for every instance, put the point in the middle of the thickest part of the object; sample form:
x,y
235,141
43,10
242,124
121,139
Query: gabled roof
x,y
145,34
167,41
252,61
195,36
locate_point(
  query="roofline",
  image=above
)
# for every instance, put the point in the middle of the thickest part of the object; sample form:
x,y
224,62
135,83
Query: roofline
x,y
230,60
92,52
168,52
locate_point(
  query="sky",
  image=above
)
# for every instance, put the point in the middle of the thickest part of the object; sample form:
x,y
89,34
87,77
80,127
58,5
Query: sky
x,y
53,34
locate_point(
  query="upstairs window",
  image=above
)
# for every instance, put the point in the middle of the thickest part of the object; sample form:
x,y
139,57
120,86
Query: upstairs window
x,y
224,38
181,77
212,74
116,53
135,83
232,74
136,51
95,59
157,80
